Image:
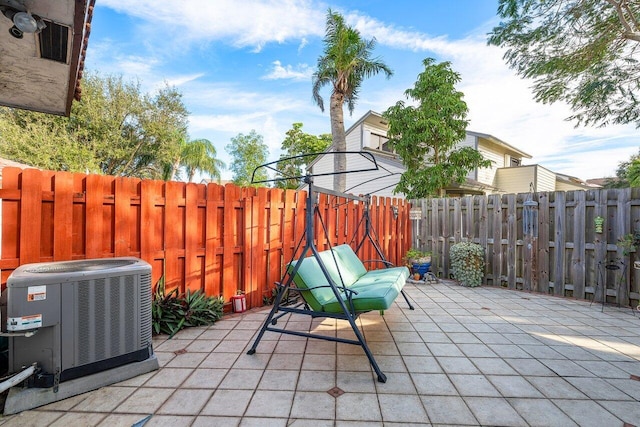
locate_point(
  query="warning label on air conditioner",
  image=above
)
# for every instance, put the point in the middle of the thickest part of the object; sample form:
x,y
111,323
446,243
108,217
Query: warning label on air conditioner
x,y
36,293
25,322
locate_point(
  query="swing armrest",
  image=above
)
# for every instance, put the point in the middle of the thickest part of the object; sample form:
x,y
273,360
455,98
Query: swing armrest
x,y
385,262
346,290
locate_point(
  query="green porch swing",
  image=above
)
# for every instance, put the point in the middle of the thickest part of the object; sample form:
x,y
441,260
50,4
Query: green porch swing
x,y
333,283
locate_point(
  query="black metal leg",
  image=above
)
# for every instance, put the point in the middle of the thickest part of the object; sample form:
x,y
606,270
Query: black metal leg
x,y
274,310
407,300
381,376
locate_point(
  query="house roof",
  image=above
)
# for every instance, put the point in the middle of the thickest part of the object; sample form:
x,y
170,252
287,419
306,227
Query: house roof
x,y
576,181
500,142
42,71
371,117
10,163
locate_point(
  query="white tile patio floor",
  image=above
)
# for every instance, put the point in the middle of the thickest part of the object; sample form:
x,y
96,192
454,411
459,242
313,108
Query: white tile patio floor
x,y
483,356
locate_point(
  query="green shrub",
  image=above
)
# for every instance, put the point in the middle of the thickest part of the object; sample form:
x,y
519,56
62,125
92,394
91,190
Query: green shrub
x,y
467,263
172,312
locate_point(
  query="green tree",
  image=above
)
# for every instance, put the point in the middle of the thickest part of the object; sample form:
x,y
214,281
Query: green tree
x,y
627,174
197,155
114,130
425,135
248,152
43,140
296,143
583,52
346,62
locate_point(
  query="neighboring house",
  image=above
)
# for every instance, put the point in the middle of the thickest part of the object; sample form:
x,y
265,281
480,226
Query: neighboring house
x,y
506,175
42,55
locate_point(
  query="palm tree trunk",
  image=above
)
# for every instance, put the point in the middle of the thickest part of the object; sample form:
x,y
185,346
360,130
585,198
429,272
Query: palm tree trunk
x,y
339,140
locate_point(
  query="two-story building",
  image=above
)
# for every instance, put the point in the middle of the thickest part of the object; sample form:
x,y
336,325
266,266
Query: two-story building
x,y
506,175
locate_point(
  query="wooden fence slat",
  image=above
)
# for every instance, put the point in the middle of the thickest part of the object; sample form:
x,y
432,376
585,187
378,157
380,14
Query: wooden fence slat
x,y
192,233
578,253
174,231
261,246
560,239
249,279
63,217
543,243
11,198
30,209
122,216
457,220
497,239
211,281
623,209
275,235
512,234
230,283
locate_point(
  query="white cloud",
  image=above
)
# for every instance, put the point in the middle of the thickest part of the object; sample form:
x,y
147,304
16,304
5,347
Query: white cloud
x,y
301,72
303,43
249,23
230,97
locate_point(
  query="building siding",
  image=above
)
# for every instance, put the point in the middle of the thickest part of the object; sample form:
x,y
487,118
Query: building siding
x,y
519,179
515,180
489,152
546,180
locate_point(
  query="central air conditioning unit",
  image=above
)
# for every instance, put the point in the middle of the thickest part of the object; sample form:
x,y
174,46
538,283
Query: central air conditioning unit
x,y
92,324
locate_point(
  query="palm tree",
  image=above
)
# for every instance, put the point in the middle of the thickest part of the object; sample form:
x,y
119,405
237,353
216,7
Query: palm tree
x,y
198,155
345,64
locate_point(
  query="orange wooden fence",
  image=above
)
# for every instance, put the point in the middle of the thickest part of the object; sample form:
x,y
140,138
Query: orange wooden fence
x,y
219,239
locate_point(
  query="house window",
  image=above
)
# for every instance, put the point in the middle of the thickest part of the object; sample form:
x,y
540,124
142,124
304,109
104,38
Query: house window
x,y
380,142
515,162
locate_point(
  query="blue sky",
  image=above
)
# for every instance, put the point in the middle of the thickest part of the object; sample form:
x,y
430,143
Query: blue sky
x,y
245,65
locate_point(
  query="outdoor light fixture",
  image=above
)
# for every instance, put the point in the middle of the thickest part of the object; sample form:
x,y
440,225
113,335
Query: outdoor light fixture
x,y
23,22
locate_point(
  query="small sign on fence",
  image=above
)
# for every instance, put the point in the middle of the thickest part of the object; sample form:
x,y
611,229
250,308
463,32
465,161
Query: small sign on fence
x,y
415,213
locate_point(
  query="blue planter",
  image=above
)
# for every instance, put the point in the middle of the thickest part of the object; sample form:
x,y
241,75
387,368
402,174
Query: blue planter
x,y
421,268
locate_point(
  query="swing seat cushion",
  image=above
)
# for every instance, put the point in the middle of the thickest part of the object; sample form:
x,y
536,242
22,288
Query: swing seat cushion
x,y
376,289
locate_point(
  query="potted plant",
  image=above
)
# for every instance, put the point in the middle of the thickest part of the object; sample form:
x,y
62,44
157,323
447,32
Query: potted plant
x,y
418,261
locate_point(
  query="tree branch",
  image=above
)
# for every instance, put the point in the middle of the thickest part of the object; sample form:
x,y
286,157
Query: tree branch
x,y
623,12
